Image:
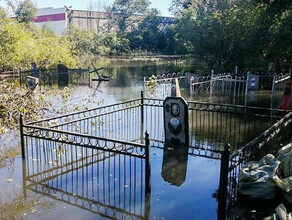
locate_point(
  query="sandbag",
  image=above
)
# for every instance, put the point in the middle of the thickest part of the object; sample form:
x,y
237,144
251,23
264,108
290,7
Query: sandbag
x,y
285,157
256,178
284,180
281,214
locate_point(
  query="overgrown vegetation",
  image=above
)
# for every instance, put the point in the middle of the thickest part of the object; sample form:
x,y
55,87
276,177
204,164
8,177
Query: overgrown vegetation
x,y
23,43
221,33
249,34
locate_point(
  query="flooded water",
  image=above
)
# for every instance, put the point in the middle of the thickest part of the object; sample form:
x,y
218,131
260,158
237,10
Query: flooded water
x,y
72,182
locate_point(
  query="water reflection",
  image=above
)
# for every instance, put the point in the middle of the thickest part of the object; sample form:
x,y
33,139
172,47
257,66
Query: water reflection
x,y
112,185
109,184
174,165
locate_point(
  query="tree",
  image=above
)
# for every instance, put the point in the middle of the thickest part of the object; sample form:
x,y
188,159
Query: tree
x,y
10,4
20,45
130,12
81,41
146,35
26,11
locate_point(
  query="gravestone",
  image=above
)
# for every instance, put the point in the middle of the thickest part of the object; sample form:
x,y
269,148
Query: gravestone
x,y
176,121
253,82
31,82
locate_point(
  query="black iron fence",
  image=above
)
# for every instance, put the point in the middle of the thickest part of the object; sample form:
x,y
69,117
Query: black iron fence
x,y
271,140
52,77
119,129
211,125
110,184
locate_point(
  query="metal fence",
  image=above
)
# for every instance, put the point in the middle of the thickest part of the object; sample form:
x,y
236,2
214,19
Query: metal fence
x,y
271,140
108,127
213,125
159,86
52,77
279,83
118,130
109,184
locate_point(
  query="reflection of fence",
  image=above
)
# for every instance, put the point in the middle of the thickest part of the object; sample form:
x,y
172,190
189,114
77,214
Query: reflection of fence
x,y
109,184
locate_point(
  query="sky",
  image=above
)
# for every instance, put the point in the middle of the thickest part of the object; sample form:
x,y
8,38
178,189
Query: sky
x,y
161,5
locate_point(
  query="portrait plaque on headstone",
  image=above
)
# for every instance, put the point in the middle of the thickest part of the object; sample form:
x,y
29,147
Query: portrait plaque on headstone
x,y
176,121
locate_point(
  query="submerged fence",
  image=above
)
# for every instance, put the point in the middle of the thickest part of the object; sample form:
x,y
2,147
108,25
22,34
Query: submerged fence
x,y
271,140
121,127
159,86
59,145
52,77
112,185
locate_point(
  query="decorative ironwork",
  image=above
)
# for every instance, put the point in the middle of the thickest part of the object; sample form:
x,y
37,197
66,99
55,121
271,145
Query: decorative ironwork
x,y
119,130
270,139
120,127
159,86
109,184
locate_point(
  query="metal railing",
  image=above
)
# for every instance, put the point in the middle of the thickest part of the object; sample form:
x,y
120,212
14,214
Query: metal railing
x,y
119,129
109,184
271,140
159,86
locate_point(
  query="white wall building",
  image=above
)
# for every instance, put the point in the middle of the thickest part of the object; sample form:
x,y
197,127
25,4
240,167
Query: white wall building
x,y
57,19
54,18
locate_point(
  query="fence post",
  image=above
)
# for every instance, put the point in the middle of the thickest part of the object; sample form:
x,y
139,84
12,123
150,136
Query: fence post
x,y
236,70
211,82
24,182
21,135
142,107
147,164
89,82
222,194
273,89
246,90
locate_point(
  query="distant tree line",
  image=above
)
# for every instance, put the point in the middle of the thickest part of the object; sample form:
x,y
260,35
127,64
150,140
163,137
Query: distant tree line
x,y
221,34
227,33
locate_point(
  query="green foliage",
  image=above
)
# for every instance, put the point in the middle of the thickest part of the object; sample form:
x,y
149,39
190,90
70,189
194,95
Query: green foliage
x,y
26,11
81,41
21,44
14,102
149,36
224,34
92,43
127,10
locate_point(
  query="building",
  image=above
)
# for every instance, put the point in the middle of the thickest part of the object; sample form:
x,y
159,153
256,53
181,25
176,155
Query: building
x,y
54,18
58,19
